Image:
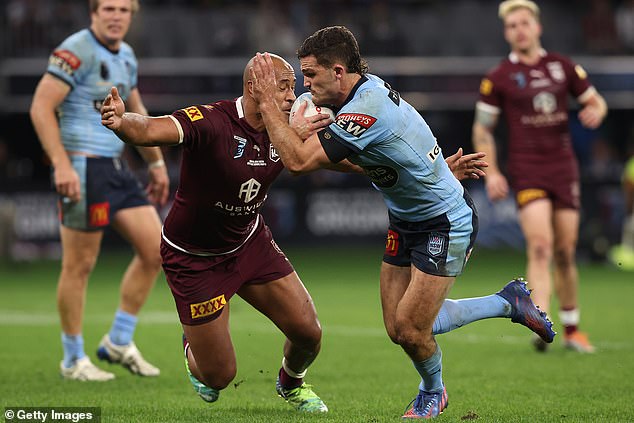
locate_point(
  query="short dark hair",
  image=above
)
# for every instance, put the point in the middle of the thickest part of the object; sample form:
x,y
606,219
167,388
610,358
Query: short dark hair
x,y
334,44
94,5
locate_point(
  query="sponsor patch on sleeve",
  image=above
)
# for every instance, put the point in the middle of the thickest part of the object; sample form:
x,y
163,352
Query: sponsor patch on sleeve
x,y
486,86
355,123
193,113
434,152
581,72
65,60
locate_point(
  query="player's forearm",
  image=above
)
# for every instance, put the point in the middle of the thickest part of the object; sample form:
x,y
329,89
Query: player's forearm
x,y
146,131
600,104
484,141
284,138
153,156
48,132
344,166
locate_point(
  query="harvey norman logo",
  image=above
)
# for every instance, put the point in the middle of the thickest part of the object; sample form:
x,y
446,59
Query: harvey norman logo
x,y
355,123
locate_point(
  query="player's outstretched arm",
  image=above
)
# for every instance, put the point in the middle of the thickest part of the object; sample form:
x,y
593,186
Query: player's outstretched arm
x,y
136,129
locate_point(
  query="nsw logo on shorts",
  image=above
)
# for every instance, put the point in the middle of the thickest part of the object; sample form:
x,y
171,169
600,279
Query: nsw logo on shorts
x,y
436,244
207,308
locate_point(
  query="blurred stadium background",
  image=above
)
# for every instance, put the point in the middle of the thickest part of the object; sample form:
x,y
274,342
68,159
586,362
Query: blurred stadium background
x,y
434,52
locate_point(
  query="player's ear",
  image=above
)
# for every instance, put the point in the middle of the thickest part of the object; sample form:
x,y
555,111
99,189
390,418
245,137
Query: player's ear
x,y
339,70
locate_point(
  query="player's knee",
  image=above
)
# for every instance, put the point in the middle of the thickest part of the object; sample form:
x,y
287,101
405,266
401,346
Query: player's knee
x,y
540,250
564,257
391,332
151,258
79,268
219,378
307,335
409,336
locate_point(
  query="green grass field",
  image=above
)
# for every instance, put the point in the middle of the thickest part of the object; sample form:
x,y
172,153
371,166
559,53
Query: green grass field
x,y
491,372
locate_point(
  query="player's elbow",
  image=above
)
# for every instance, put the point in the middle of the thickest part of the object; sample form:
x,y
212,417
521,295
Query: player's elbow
x,y
33,111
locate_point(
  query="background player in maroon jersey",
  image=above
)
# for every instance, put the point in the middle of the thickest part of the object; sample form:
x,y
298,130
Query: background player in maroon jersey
x,y
531,87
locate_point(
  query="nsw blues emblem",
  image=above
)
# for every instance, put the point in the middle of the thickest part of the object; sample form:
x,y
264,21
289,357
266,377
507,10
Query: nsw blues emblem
x,y
436,244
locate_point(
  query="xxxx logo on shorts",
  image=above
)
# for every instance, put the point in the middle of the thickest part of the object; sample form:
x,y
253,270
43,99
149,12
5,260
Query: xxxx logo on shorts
x,y
193,113
207,308
527,195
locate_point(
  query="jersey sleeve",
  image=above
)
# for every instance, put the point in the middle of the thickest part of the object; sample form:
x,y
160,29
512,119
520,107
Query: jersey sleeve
x,y
579,84
357,124
71,60
490,94
195,124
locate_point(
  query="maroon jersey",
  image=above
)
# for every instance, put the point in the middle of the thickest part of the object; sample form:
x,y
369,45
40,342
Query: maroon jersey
x,y
226,170
535,104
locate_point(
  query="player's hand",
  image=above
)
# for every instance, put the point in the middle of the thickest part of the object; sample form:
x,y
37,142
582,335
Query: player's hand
x,y
67,182
307,126
112,110
468,166
496,185
263,80
590,117
158,188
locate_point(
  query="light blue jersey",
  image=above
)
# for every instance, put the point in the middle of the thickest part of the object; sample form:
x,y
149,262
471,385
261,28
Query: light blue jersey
x,y
91,70
393,144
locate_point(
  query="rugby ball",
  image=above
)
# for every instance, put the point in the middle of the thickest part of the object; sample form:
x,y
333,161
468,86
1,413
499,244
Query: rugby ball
x,y
311,109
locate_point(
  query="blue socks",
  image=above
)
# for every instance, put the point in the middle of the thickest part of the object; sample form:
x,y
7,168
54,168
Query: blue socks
x,y
452,315
73,348
430,371
456,313
122,328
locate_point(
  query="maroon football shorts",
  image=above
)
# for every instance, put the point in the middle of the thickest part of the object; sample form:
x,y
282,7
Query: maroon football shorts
x,y
202,286
557,181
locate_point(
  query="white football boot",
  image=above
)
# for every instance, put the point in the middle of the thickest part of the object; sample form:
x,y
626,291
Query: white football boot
x,y
84,370
128,356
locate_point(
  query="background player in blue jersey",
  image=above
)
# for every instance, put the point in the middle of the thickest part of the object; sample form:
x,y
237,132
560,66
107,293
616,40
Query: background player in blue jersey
x,y
433,223
96,189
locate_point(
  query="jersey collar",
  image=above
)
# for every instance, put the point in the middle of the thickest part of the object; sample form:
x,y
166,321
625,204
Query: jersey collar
x,y
360,82
239,107
102,44
513,58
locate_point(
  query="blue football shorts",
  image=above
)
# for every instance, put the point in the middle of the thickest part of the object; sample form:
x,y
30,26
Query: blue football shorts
x,y
107,186
440,246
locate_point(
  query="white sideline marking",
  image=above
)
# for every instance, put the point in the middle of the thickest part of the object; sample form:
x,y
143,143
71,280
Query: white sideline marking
x,y
21,319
